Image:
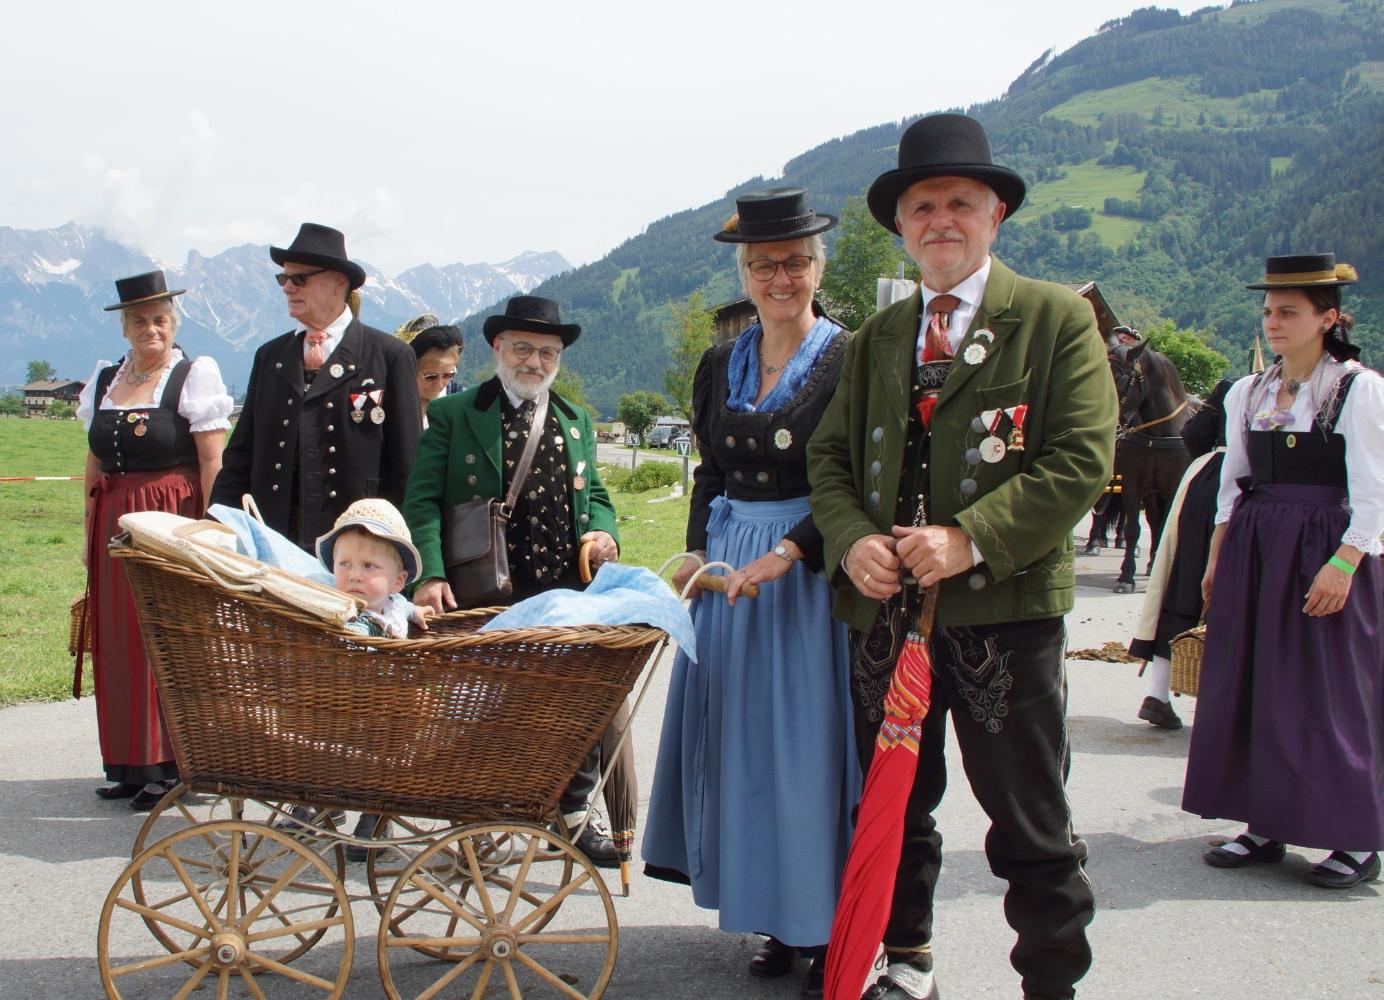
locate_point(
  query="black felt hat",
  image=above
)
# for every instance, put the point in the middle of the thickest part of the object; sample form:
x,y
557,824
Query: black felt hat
x,y
531,314
1305,270
773,215
947,145
320,246
141,288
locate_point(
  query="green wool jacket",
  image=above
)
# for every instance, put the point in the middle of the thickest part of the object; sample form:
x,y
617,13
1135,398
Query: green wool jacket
x,y
1037,345
459,459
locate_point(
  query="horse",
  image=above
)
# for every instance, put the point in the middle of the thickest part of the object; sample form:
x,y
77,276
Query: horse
x,y
1149,454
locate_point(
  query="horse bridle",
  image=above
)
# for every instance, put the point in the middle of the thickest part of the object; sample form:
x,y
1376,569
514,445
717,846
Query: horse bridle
x,y
1124,430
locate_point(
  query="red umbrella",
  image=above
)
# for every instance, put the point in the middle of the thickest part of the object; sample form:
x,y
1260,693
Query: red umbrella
x,y
867,887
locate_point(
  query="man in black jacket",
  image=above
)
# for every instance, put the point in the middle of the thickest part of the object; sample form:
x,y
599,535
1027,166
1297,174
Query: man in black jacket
x,y
331,414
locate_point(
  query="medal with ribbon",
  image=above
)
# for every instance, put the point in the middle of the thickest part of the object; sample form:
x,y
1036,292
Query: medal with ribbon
x,y
1016,415
358,406
992,448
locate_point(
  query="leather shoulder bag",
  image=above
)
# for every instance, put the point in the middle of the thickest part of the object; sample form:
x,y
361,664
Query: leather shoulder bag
x,y
474,553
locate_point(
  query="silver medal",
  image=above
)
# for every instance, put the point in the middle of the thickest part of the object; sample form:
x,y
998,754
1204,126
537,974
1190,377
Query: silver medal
x,y
336,371
377,415
992,449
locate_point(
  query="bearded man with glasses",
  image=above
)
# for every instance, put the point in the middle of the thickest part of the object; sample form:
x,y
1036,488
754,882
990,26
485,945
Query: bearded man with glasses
x,y
331,414
474,440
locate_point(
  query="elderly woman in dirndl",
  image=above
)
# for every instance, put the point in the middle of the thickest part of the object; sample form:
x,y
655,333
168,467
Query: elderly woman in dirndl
x,y
757,773
1289,734
156,424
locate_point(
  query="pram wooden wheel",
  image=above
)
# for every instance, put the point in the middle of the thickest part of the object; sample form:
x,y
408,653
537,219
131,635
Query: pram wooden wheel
x,y
513,930
494,852
212,921
174,812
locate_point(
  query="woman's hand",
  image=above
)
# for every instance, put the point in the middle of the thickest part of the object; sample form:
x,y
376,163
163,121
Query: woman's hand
x,y
1213,553
436,595
689,566
1331,586
604,548
765,569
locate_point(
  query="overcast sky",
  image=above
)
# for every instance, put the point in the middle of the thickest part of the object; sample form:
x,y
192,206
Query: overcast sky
x,y
446,132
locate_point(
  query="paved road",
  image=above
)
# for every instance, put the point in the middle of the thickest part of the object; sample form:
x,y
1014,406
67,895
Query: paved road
x,y
1167,926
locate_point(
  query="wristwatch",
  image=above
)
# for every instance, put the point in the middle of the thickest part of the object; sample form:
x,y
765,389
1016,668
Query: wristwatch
x,y
784,554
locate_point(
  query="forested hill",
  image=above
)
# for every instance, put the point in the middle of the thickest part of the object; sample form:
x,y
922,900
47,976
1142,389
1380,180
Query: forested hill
x,y
1166,156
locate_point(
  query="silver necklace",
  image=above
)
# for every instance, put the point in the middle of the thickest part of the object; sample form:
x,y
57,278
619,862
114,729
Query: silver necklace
x,y
139,378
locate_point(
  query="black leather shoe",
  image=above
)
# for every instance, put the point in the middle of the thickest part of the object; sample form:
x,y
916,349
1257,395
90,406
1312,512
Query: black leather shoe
x,y
150,795
118,790
368,827
814,986
596,844
1329,878
773,959
1268,853
1160,713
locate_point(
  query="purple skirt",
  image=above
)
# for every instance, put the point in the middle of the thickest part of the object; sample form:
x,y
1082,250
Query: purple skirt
x,y
1289,734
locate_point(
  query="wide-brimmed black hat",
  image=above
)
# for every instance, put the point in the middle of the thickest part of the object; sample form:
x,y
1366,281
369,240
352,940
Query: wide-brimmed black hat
x,y
320,246
141,288
773,215
1305,270
943,146
532,314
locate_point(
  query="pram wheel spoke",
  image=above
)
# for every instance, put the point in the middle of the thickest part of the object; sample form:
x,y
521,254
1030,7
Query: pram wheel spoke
x,y
207,859
541,926
223,908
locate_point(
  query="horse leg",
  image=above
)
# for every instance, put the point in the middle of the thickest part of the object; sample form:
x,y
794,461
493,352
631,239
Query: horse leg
x,y
1125,583
1157,511
1096,539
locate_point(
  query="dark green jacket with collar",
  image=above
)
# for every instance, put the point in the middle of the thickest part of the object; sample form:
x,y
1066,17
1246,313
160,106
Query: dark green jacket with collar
x,y
459,459
1031,342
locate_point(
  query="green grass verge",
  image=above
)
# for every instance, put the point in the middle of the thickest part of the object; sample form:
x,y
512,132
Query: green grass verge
x,y
40,556
1088,185
41,549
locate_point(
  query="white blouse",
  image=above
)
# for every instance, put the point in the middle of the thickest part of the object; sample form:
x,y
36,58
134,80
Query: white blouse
x,y
1361,423
205,404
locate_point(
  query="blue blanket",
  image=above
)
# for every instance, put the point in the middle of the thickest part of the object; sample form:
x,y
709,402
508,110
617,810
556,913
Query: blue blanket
x,y
618,595
268,546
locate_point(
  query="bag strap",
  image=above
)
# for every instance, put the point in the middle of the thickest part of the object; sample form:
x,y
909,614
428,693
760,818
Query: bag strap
x,y
521,471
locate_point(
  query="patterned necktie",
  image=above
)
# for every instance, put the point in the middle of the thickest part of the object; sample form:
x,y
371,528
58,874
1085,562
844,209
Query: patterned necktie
x,y
936,343
316,356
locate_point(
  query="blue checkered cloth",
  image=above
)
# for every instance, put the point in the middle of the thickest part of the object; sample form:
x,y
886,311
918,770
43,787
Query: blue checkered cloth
x,y
619,595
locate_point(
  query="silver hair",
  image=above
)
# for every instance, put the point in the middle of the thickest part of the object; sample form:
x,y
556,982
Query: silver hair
x,y
816,249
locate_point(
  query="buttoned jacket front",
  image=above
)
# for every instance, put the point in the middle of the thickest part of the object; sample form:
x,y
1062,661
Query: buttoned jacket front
x,y
341,459
1032,343
459,459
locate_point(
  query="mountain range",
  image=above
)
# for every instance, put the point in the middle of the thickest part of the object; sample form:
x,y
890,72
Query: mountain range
x,y
54,283
1166,156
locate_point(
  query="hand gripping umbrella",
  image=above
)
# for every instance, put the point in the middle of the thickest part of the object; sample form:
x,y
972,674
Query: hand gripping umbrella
x,y
867,886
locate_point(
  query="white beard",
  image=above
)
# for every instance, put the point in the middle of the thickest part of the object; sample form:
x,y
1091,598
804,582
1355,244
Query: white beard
x,y
523,390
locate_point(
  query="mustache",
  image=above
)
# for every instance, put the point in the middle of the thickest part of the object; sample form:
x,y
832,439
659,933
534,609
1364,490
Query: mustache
x,y
947,234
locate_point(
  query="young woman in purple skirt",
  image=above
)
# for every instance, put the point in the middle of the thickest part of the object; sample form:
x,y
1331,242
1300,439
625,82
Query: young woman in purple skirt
x,y
1289,735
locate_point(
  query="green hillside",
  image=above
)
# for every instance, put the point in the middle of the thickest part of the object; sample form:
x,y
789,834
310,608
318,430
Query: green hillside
x,y
1166,155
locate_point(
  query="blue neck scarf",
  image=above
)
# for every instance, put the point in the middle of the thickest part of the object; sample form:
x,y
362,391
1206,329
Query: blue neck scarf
x,y
743,369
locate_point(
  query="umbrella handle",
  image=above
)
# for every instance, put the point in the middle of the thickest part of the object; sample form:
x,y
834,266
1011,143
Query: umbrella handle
x,y
584,561
719,583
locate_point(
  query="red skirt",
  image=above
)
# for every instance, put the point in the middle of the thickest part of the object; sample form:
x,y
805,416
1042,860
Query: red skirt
x,y
135,747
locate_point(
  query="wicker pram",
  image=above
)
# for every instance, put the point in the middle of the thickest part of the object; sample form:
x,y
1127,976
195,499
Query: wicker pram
x,y
479,731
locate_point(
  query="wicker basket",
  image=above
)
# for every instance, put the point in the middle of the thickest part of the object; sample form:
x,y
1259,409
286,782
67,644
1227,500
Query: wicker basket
x,y
1187,651
266,701
74,632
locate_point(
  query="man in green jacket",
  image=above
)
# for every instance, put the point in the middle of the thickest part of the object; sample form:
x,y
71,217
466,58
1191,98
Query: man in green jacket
x,y
473,442
973,426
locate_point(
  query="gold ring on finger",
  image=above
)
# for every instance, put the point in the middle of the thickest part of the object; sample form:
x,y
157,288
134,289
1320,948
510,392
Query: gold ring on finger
x,y
867,579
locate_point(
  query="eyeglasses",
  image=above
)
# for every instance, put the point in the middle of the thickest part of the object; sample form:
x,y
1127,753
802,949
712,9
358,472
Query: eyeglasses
x,y
432,377
300,279
523,350
764,268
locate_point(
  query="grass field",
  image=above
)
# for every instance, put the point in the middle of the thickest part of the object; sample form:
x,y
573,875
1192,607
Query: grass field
x,y
1178,98
41,541
1088,185
40,556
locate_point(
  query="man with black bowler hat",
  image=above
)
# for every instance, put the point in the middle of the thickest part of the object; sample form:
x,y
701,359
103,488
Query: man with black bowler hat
x,y
331,415
474,440
973,426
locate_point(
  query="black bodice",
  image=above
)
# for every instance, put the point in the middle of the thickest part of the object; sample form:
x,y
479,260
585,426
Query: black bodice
x,y
1316,457
146,437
